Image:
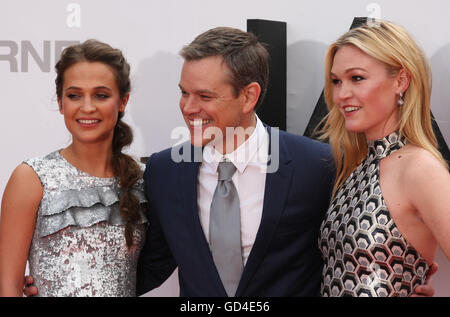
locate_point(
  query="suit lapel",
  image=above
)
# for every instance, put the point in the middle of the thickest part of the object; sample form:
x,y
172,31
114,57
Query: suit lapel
x,y
188,179
275,194
188,184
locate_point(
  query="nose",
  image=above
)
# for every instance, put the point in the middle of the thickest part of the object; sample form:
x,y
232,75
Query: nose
x,y
88,106
188,105
343,92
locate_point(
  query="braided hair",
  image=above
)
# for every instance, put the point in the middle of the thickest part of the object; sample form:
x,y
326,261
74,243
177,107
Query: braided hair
x,y
125,168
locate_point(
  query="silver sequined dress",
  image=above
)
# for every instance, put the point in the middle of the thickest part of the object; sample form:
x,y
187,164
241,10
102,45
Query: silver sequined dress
x,y
78,246
364,253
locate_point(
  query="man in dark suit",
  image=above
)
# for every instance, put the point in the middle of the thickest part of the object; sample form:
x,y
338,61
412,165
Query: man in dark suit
x,y
283,182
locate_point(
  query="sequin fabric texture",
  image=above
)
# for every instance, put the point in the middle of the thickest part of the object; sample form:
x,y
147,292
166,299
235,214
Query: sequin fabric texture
x,y
364,253
78,246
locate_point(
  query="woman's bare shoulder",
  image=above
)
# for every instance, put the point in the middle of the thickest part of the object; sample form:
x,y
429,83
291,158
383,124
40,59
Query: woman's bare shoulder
x,y
420,160
24,182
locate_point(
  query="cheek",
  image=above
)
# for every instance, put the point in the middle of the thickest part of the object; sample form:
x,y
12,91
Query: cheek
x,y
111,111
368,95
380,97
181,103
225,118
211,110
334,95
67,108
115,118
69,117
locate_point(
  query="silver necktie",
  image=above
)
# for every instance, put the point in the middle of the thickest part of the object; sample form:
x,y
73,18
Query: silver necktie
x,y
225,229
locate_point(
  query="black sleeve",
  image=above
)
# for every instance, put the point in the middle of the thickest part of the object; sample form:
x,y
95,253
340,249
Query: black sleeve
x,y
156,262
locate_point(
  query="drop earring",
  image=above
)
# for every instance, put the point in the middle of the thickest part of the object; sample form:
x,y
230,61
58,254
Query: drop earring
x,y
400,100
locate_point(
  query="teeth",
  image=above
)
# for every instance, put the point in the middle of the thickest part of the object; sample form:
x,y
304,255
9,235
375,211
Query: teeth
x,y
88,121
350,109
199,122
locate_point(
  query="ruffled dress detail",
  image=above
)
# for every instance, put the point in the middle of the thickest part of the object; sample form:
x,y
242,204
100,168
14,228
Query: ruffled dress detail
x,y
79,247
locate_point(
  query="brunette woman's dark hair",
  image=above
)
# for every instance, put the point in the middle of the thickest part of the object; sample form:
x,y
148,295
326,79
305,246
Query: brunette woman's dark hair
x,y
125,168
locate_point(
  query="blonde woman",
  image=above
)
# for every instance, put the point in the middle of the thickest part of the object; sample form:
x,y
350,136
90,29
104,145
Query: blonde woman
x,y
391,204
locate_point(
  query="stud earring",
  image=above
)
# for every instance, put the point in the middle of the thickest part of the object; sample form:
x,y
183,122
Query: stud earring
x,y
400,100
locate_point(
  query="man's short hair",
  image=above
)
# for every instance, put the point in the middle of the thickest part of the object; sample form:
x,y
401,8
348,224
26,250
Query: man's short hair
x,y
245,56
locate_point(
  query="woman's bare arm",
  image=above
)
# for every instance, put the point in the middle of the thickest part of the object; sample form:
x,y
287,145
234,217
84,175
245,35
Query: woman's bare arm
x,y
20,203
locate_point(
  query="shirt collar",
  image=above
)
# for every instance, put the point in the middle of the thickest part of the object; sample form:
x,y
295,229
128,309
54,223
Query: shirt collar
x,y
250,152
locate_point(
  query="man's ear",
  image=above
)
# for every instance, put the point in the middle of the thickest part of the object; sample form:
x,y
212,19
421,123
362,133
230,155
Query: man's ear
x,y
124,103
251,96
403,79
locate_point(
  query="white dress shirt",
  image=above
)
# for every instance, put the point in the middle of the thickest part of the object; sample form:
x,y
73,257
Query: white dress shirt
x,y
250,159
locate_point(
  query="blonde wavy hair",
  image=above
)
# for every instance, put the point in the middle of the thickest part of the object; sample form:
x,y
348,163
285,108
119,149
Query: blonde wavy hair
x,y
392,45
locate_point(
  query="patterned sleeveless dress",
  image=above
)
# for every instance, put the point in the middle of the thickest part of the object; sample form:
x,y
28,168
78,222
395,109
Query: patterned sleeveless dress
x,y
364,252
78,246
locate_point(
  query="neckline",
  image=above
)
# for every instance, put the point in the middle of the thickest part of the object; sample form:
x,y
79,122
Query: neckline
x,y
385,146
59,155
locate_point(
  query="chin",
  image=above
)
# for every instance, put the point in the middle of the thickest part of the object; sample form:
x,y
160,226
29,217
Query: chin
x,y
354,129
92,139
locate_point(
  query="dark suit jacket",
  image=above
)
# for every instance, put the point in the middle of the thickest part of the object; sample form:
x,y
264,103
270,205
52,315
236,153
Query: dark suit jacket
x,y
285,258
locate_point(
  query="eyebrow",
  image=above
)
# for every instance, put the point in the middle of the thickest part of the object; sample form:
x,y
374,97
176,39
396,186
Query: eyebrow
x,y
78,88
350,70
201,91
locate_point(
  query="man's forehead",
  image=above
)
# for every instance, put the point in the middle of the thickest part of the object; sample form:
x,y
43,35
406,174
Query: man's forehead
x,y
213,62
204,75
